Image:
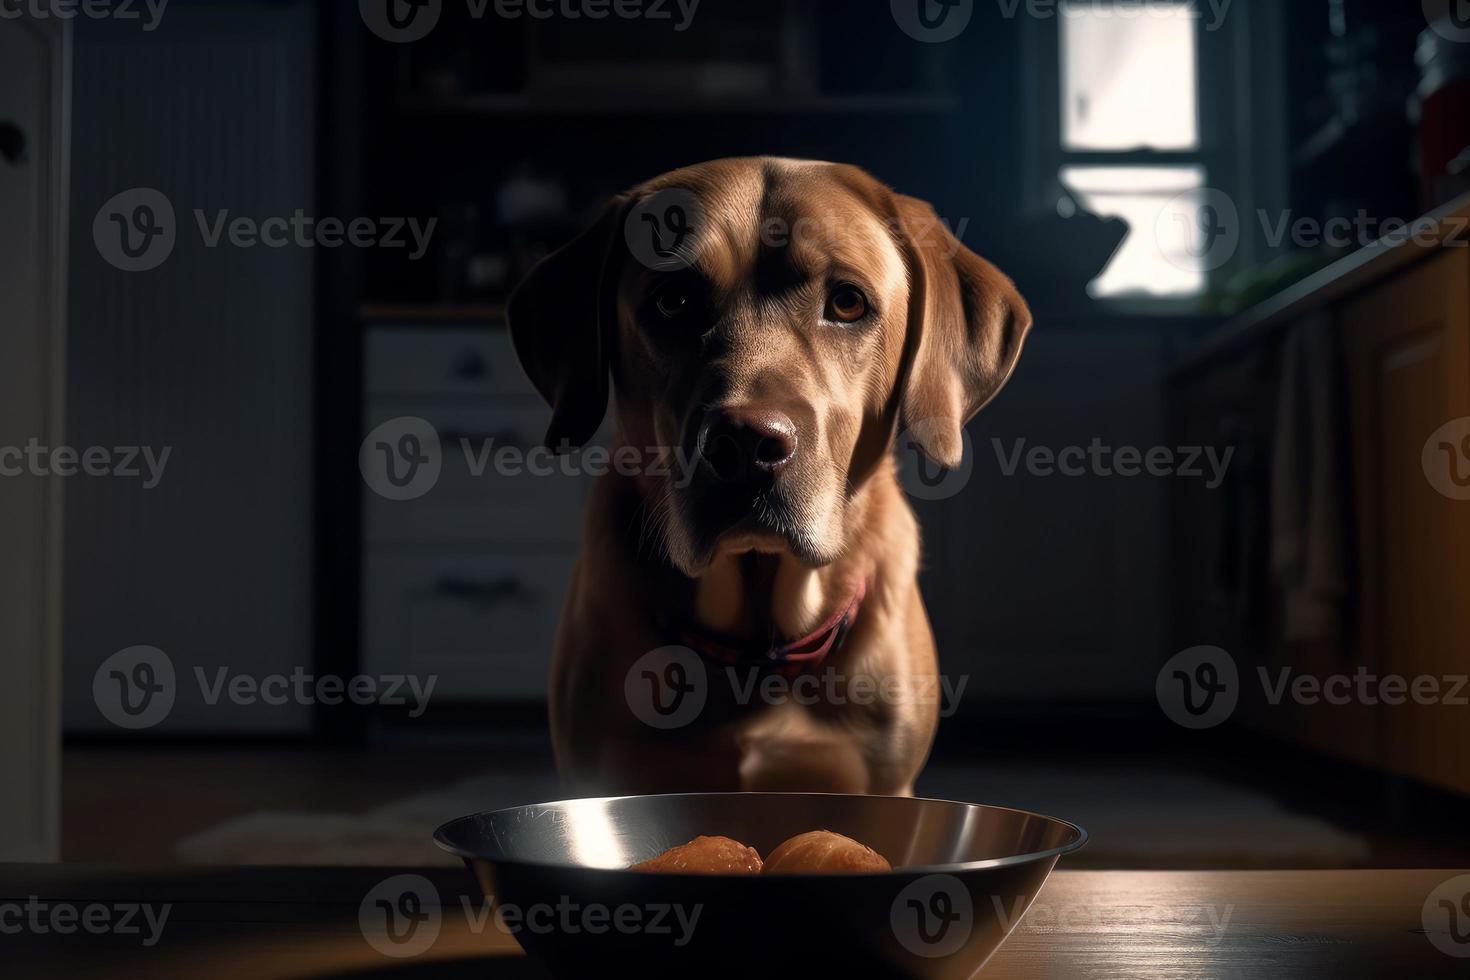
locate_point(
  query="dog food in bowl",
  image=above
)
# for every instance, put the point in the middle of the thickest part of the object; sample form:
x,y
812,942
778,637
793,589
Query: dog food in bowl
x,y
816,852
706,856
950,860
823,852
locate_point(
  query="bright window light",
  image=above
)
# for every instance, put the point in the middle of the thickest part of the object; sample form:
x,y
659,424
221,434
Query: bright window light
x,y
1161,255
1129,77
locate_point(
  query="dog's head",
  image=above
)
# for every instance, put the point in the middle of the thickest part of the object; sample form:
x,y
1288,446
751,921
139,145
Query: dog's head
x,y
773,323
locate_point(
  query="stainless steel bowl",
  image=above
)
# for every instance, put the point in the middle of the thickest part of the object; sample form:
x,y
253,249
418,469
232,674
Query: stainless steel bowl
x,y
557,874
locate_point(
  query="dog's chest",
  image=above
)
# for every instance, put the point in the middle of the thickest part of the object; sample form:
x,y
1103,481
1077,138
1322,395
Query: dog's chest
x,y
791,746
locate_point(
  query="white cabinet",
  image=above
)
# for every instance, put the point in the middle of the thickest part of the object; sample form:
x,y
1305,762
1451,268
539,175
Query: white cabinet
x,y
464,581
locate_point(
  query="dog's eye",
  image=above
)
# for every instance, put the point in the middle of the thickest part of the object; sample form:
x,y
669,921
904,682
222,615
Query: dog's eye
x,y
847,305
673,302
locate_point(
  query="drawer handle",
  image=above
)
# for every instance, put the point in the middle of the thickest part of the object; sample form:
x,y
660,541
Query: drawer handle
x,y
507,590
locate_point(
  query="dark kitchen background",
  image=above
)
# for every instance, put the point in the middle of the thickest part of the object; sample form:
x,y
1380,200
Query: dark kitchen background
x,y
1142,178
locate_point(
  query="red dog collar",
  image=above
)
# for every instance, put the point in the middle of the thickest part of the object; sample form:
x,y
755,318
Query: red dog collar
x,y
787,659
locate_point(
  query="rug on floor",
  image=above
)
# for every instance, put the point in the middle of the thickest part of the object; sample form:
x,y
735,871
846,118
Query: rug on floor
x,y
1135,818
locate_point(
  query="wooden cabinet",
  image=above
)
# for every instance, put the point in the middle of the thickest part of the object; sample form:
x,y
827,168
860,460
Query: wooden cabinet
x,y
1408,354
1398,322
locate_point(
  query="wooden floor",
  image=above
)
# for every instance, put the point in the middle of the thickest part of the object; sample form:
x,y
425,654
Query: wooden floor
x,y
277,923
130,806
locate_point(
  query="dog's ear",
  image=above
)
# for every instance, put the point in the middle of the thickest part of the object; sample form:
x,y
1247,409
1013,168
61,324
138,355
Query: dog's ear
x,y
966,326
563,322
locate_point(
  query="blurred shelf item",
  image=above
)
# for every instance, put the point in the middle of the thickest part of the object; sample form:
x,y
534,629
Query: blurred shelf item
x,y
1347,136
1441,108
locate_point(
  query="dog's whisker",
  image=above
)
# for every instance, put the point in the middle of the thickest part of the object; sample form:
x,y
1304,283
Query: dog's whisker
x,y
654,527
663,518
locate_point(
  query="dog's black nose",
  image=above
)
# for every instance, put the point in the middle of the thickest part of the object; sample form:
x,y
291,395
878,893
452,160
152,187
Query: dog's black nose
x,y
741,444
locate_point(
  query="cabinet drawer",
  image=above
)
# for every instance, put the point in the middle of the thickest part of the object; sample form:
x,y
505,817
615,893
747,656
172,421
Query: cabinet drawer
x,y
478,497
483,623
436,361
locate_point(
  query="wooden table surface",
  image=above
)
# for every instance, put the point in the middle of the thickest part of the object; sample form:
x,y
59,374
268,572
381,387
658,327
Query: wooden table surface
x,y
1159,925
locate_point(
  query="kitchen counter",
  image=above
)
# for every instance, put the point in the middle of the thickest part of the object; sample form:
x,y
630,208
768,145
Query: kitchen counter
x,y
1447,226
276,922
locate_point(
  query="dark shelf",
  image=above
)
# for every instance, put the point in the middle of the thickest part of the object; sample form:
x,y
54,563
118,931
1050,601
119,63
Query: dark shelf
x,y
431,313
600,104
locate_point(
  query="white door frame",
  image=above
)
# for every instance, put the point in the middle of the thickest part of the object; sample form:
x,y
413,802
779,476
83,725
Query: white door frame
x,y
35,92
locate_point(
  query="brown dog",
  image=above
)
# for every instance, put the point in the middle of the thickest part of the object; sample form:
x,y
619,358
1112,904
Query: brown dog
x,y
773,323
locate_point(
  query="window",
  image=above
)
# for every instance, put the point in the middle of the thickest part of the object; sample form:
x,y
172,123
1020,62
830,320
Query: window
x,y
1129,83
1160,256
1124,136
